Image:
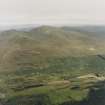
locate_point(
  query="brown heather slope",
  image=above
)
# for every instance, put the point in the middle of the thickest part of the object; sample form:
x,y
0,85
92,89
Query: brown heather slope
x,y
33,47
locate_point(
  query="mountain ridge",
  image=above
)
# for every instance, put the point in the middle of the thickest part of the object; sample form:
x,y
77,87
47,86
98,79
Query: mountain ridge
x,y
44,42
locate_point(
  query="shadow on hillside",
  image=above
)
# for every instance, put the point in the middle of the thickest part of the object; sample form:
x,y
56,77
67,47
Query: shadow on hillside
x,y
95,97
40,99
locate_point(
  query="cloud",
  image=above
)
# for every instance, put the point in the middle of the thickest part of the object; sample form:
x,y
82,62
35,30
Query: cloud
x,y
52,11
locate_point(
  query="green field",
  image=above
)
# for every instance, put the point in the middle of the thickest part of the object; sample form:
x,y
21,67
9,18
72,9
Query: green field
x,y
51,85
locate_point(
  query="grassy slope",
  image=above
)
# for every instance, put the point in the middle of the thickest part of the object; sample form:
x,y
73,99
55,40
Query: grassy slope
x,y
43,42
45,55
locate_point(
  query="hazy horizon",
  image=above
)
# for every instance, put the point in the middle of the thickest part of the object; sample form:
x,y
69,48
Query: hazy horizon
x,y
50,12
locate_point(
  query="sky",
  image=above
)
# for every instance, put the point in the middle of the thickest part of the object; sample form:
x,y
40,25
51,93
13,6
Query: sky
x,y
70,12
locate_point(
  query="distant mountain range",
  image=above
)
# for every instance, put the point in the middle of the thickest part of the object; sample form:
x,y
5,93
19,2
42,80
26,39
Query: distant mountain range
x,y
18,27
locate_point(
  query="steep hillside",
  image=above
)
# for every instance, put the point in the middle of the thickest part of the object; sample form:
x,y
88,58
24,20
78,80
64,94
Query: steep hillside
x,y
52,66
44,42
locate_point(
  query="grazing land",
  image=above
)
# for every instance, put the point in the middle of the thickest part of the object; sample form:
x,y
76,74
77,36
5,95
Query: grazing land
x,y
52,66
